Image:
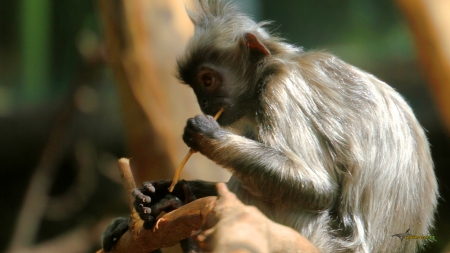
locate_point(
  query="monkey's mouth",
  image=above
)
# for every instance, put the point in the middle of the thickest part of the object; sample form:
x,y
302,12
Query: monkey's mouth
x,y
229,116
225,119
212,107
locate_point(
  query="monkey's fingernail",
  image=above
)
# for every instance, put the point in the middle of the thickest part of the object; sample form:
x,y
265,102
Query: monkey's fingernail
x,y
150,188
146,199
141,198
146,210
136,193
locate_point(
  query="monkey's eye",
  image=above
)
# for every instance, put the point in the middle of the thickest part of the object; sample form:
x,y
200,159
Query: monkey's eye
x,y
207,80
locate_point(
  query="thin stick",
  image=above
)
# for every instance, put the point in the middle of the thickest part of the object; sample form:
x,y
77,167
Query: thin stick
x,y
127,179
186,158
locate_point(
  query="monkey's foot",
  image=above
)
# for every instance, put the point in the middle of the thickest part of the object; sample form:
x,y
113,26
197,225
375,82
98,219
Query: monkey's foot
x,y
154,198
113,232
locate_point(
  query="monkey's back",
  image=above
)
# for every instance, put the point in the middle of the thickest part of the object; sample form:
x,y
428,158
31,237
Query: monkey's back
x,y
346,123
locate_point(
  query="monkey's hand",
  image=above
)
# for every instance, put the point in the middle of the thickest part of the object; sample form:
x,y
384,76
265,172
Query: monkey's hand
x,y
199,132
154,198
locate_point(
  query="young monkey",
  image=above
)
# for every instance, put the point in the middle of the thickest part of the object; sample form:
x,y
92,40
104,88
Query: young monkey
x,y
313,142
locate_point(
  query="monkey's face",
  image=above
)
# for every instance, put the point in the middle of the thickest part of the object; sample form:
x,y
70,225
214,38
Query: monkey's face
x,y
215,88
223,76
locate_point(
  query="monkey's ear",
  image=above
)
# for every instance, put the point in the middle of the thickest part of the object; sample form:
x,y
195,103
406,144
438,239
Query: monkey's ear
x,y
252,43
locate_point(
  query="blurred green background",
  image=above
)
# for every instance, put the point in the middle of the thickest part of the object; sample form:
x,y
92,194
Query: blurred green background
x,y
50,52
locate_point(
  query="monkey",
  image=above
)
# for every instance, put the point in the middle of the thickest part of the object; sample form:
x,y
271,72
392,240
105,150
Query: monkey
x,y
313,142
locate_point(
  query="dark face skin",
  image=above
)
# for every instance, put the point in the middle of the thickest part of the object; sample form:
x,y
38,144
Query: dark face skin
x,y
212,86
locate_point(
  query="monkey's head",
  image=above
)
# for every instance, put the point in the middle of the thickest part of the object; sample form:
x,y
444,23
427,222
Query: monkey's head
x,y
223,60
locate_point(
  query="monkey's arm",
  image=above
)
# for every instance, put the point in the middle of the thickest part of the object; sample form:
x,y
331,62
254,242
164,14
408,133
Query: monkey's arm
x,y
277,176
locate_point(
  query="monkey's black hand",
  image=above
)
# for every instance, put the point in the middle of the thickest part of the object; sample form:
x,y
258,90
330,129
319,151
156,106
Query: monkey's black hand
x,y
154,198
199,131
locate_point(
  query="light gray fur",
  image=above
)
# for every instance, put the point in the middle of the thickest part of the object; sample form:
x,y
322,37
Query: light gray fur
x,y
337,154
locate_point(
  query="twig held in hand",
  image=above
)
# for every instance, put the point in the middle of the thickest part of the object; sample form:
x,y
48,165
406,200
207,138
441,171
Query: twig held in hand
x,y
186,158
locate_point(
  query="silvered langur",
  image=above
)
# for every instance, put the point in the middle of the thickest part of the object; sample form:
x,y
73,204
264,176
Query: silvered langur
x,y
315,143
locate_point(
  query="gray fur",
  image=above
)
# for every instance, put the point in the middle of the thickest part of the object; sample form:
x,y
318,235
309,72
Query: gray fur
x,y
335,153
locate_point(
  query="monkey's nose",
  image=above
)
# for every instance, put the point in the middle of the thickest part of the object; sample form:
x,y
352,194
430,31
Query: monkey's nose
x,y
204,103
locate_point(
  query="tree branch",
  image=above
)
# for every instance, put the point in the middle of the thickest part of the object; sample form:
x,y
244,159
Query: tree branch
x,y
219,224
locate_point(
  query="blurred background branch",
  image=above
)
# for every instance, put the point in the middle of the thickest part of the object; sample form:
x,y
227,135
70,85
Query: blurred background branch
x,y
37,201
430,25
141,83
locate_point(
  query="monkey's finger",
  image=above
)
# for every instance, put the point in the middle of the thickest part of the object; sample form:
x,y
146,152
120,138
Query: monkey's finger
x,y
140,197
167,204
202,121
156,187
149,187
145,213
192,124
147,218
191,137
211,118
